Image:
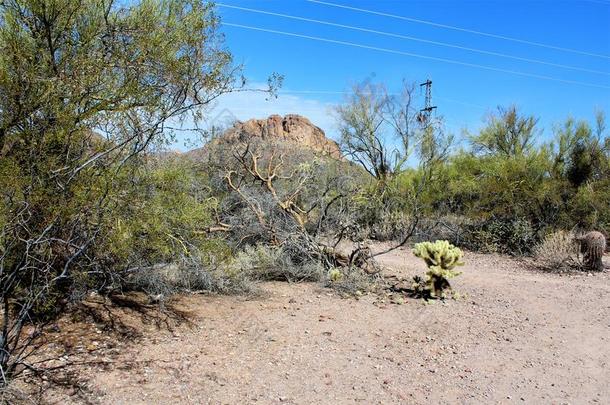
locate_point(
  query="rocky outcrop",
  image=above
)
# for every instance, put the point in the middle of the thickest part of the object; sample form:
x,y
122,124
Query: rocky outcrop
x,y
291,128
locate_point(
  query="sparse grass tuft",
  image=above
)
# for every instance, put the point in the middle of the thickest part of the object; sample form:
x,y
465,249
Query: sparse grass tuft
x,y
558,252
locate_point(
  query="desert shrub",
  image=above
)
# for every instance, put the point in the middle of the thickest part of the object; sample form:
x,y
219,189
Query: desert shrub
x,y
73,123
558,252
306,193
502,202
508,189
160,243
512,190
510,236
444,227
164,280
508,133
392,225
267,263
588,207
352,281
387,210
441,257
170,208
285,209
160,280
284,197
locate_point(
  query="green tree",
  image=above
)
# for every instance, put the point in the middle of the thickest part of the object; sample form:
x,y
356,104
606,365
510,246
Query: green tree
x,y
385,134
507,133
378,129
86,87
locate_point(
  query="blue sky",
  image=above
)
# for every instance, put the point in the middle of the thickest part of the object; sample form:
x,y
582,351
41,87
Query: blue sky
x,y
463,94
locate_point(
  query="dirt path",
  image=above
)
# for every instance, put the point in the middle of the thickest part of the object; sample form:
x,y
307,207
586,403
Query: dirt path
x,y
517,336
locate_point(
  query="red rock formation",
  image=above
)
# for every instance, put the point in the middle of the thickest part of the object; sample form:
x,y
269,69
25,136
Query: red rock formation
x,y
292,129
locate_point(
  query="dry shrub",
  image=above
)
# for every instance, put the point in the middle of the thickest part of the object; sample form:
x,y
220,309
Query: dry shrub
x,y
513,236
391,226
353,281
164,280
444,227
267,263
195,272
558,252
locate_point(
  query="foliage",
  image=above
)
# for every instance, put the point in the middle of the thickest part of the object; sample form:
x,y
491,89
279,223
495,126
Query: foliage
x,y
86,89
506,134
159,243
378,129
509,201
441,257
169,210
510,236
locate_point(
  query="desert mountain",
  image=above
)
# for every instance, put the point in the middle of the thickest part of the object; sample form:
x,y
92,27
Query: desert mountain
x,y
291,128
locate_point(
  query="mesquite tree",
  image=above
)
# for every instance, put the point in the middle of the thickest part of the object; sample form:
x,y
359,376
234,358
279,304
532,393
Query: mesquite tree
x,y
508,133
383,133
378,129
86,87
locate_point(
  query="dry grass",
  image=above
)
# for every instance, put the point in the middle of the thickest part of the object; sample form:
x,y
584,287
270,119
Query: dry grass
x,y
558,252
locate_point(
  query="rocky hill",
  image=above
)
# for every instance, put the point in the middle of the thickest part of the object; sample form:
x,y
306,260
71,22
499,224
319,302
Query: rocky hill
x,y
291,128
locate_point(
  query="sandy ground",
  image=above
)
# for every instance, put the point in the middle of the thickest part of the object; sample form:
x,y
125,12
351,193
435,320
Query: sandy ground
x,y
516,336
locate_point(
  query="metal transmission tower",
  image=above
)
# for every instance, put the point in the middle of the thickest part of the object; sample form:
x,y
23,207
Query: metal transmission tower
x,y
424,114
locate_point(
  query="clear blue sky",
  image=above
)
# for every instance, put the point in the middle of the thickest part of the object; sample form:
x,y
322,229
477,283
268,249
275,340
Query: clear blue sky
x,y
463,94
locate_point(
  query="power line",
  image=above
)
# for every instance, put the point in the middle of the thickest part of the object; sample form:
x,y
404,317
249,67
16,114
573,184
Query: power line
x,y
607,3
450,100
452,27
415,55
410,38
337,92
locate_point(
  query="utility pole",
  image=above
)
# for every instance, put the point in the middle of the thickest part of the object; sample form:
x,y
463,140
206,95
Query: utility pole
x,y
425,113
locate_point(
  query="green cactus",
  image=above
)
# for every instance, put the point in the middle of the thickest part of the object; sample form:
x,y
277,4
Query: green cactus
x,y
441,257
335,275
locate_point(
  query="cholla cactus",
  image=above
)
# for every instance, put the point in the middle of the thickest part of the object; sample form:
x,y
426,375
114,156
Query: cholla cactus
x,y
335,275
441,257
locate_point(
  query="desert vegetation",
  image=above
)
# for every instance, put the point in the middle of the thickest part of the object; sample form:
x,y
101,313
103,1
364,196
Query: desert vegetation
x,y
92,201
